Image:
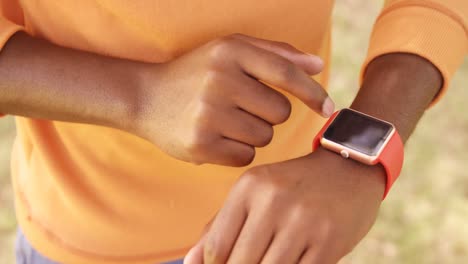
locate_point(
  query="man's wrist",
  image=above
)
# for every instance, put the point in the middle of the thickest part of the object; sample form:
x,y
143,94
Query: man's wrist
x,y
46,81
134,101
398,88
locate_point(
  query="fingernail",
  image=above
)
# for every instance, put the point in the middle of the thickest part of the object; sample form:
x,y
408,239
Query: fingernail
x,y
328,107
316,59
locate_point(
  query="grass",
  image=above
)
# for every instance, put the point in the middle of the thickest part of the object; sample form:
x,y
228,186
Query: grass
x,y
424,218
7,217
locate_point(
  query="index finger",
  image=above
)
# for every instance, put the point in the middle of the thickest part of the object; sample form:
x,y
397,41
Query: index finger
x,y
280,72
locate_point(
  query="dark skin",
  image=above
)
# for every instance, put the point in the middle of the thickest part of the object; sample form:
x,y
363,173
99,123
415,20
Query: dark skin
x,y
312,209
302,211
180,106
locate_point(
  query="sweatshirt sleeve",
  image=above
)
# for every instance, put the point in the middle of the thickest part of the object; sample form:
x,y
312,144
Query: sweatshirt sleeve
x,y
436,30
11,21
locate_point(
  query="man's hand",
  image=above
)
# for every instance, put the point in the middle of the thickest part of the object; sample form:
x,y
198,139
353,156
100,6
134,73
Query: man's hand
x,y
209,105
312,210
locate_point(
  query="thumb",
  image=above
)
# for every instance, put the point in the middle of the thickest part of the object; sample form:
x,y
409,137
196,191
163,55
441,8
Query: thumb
x,y
311,64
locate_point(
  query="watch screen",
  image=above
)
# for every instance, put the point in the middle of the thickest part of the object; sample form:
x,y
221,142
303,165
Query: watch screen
x,y
359,132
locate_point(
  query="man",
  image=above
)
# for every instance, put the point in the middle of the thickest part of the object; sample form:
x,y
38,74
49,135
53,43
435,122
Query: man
x,y
133,119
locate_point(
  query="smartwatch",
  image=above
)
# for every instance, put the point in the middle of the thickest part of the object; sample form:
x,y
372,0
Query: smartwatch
x,y
365,139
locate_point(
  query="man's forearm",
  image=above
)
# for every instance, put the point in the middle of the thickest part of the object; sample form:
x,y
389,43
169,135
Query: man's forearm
x,y
398,88
41,80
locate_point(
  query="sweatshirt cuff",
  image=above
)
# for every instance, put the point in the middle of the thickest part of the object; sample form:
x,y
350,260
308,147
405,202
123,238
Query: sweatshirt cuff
x,y
435,35
7,30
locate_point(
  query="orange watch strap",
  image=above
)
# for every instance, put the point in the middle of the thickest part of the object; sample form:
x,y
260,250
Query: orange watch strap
x,y
317,138
391,157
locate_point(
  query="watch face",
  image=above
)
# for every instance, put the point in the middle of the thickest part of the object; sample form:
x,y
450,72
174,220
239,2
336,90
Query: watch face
x,y
358,131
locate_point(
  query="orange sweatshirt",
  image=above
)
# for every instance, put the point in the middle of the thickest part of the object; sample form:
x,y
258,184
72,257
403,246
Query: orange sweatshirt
x,y
89,194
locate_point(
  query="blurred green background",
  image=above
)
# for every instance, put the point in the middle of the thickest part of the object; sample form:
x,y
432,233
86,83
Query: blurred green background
x,y
425,219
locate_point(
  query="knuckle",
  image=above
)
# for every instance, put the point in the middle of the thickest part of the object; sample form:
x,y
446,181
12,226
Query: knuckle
x,y
286,71
299,214
253,176
275,197
216,249
222,47
325,229
258,173
266,136
243,157
211,78
201,113
260,179
283,110
198,142
197,148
